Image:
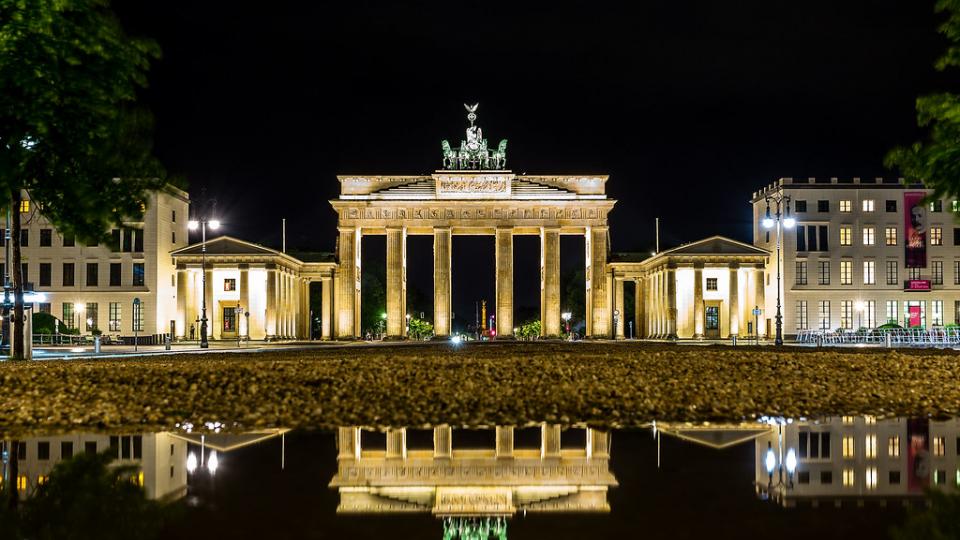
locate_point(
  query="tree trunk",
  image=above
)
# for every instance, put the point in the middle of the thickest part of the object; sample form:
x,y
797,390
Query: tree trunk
x,y
17,335
13,494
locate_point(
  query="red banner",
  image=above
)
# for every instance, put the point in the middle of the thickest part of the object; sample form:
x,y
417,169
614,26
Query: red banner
x,y
915,229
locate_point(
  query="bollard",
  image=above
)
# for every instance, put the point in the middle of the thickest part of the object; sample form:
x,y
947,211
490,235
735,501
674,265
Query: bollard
x,y
166,342
889,340
96,344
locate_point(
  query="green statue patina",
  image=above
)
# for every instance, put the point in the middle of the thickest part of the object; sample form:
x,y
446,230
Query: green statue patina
x,y
463,528
473,153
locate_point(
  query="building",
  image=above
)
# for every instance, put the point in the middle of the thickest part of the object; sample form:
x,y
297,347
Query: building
x,y
93,287
864,252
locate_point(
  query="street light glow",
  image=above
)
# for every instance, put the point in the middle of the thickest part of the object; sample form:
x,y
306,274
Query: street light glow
x,y
214,224
213,462
791,461
193,224
771,461
789,222
768,222
191,462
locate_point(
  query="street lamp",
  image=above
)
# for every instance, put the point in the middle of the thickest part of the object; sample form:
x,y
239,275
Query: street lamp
x,y
782,220
202,224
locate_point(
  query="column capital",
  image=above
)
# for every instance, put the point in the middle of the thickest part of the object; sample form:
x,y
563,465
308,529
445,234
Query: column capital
x,y
698,265
734,265
347,228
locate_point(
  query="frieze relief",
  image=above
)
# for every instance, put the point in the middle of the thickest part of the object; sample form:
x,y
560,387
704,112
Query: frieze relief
x,y
384,472
435,213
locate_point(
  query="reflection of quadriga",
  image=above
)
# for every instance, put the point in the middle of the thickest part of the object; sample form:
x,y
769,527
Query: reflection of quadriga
x,y
474,490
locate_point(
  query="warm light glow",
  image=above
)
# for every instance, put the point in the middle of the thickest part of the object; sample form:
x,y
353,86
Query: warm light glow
x,y
768,223
191,462
791,461
213,462
214,224
771,461
565,315
860,305
33,297
455,340
789,222
193,224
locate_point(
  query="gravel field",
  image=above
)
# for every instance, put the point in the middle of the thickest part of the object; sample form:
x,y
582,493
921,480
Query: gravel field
x,y
602,384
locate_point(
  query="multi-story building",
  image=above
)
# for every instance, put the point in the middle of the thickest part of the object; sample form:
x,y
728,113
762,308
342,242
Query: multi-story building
x,y
94,287
863,252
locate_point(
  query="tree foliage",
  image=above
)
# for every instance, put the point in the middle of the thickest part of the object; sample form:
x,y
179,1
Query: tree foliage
x,y
935,161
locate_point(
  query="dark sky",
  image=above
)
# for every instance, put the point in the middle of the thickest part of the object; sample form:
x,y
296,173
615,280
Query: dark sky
x,y
688,106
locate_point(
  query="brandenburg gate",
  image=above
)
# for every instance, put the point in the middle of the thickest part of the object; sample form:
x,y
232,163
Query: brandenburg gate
x,y
474,194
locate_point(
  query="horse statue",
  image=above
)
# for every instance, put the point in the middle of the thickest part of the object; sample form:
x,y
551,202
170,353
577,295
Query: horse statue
x,y
499,157
449,156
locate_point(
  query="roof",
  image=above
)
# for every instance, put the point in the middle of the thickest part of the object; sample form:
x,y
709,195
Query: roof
x,y
716,436
226,245
720,245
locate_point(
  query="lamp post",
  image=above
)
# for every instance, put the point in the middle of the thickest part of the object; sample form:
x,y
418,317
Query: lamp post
x,y
860,306
782,220
202,224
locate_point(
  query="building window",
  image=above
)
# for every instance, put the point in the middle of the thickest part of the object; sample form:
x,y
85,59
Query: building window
x,y
711,284
848,478
800,206
24,237
93,316
849,447
870,446
914,273
936,236
68,315
892,272
45,307
869,237
138,275
846,314
801,274
890,236
893,446
846,272
846,235
937,273
68,240
823,274
93,274
138,241
869,274
870,478
868,205
66,449
937,307
870,317
801,315
956,236
846,206
68,274
24,206
173,237
116,274
892,316
46,237
138,317
891,205
43,450
230,284
45,273
824,238
956,272
25,273
115,316
173,216
801,238
823,206
823,313
939,446
936,206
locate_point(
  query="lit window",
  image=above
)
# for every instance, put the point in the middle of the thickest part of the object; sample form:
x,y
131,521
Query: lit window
x,y
936,236
870,446
939,446
22,482
845,206
846,272
890,236
42,479
230,284
868,205
846,314
893,446
871,478
24,206
848,477
823,314
801,316
892,311
848,447
846,235
869,236
869,272
892,272
847,419
870,420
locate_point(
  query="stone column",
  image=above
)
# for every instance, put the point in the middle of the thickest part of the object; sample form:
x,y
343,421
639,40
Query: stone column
x,y
182,322
348,289
396,293
442,442
599,297
442,240
504,265
504,442
550,441
550,282
671,274
657,305
244,300
598,444
270,324
618,307
734,316
760,284
211,309
396,443
638,304
348,443
326,314
698,300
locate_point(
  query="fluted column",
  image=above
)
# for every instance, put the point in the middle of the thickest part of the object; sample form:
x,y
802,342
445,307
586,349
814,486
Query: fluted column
x,y
442,442
598,444
348,286
698,300
270,324
618,307
504,442
396,443
326,314
760,284
671,274
396,291
348,443
734,316
182,322
211,309
504,265
638,304
244,300
599,294
550,282
550,441
441,281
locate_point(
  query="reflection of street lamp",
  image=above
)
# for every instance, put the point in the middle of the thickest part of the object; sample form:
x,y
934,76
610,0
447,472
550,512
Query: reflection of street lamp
x,y
860,306
202,223
408,325
783,220
566,320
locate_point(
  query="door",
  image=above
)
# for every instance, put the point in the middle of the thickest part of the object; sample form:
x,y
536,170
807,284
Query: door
x,y
229,328
915,319
712,322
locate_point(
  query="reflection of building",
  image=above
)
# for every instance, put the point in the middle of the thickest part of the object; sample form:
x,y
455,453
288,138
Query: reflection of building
x,y
859,457
473,482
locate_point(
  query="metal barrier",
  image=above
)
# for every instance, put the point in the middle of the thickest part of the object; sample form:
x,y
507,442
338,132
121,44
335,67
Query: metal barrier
x,y
897,337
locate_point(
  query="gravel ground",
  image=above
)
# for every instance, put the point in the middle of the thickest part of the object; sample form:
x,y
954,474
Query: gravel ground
x,y
601,384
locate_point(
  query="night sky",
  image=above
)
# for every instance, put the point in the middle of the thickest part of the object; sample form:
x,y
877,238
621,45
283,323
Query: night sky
x,y
688,106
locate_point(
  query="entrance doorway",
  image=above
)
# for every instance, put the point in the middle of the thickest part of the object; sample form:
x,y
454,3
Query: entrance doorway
x,y
711,318
228,325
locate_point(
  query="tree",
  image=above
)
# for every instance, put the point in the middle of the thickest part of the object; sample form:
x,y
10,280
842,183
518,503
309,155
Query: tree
x,y
71,134
936,160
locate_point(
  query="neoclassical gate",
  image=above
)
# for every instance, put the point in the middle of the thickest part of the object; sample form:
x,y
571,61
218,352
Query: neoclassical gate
x,y
472,201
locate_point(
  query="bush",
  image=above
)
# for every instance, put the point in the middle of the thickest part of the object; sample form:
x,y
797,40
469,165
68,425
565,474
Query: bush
x,y
529,330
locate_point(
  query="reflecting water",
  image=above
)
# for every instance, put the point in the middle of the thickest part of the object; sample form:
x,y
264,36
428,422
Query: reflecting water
x,y
831,478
